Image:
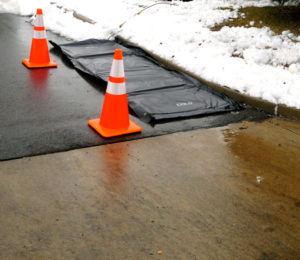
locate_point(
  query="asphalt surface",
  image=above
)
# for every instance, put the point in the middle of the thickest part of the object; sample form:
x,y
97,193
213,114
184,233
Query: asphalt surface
x,y
46,110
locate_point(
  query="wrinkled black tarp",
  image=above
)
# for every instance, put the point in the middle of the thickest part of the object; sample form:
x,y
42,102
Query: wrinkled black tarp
x,y
154,91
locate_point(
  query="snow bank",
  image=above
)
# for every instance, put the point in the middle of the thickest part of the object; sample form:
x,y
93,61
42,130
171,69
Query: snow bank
x,y
253,61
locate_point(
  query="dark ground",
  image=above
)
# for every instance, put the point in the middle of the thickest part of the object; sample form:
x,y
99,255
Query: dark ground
x,y
46,110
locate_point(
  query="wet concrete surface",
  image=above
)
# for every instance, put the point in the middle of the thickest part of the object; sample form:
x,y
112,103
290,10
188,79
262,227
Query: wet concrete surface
x,y
46,110
223,193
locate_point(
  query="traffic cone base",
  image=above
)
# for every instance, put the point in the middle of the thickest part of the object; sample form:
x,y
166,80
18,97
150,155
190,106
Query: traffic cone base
x,y
114,119
105,132
33,65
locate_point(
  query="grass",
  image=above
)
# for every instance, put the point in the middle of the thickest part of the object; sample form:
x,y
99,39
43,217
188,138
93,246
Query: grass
x,y
277,18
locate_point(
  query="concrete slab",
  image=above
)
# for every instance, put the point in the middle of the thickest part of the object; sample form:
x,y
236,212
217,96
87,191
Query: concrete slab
x,y
224,193
47,110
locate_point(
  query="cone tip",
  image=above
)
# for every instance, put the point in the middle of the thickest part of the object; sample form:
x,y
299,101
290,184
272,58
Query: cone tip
x,y
118,54
39,11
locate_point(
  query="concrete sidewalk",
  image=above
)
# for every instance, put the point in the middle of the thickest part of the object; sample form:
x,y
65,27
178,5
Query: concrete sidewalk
x,y
224,193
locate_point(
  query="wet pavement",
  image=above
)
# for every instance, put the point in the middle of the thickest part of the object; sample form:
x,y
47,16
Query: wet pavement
x,y
223,193
46,110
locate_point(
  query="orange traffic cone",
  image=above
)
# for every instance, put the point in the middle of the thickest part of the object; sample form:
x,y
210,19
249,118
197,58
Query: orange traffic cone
x,y
39,54
114,118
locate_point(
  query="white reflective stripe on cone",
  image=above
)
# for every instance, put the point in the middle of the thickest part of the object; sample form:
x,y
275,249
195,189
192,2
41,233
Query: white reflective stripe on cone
x,y
39,35
117,69
39,21
116,88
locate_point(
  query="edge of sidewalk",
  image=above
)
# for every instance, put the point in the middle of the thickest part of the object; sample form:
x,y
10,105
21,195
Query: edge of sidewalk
x,y
267,106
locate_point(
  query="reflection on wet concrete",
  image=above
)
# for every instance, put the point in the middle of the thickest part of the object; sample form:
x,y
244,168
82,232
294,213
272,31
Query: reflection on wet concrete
x,y
268,155
39,78
114,159
195,195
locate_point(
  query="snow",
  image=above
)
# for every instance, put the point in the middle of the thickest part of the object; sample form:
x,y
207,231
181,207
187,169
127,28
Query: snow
x,y
254,61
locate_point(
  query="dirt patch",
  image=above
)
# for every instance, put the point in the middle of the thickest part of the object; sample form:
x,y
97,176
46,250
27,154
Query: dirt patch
x,y
277,18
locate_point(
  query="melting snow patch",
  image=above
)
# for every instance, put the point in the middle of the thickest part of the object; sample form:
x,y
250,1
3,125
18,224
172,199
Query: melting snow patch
x,y
252,60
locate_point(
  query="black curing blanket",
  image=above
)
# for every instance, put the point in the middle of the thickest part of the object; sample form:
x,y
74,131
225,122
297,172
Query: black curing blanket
x,y
154,91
